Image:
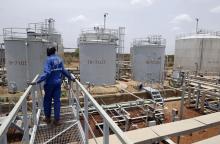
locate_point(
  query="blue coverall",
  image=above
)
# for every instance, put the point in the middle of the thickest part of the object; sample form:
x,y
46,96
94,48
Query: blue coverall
x,y
52,75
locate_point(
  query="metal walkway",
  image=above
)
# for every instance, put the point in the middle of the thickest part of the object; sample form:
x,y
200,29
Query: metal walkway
x,y
74,128
68,132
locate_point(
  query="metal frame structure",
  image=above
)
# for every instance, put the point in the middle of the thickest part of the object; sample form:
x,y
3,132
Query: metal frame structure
x,y
74,104
24,115
204,95
120,52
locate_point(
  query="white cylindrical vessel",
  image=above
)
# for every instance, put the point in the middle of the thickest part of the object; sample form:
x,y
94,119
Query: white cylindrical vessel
x,y
24,59
198,52
98,57
147,59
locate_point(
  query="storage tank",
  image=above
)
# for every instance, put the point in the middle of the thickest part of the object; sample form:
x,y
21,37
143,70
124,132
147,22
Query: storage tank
x,y
147,59
198,52
24,59
98,56
57,38
2,55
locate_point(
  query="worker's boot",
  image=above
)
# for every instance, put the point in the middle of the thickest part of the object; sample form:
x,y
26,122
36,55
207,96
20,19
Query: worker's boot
x,y
57,122
47,120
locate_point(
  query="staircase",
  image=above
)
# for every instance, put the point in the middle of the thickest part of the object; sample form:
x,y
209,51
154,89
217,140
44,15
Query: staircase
x,y
155,95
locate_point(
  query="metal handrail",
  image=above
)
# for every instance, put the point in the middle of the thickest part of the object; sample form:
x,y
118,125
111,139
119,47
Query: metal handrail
x,y
107,120
200,33
12,115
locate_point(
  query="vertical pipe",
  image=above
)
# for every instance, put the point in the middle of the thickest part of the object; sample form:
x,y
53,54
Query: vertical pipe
x,y
197,25
203,103
189,96
182,103
86,130
105,132
27,60
197,96
25,122
182,98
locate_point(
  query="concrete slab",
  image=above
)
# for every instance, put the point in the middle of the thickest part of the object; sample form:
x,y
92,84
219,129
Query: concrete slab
x,y
177,128
212,140
142,135
112,140
210,119
136,136
159,132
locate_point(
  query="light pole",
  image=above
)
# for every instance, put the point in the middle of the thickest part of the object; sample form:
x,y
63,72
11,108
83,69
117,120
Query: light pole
x,y
105,15
197,24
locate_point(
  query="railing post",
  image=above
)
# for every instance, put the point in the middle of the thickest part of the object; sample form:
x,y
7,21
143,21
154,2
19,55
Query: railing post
x,y
105,132
34,94
40,98
25,122
69,93
77,99
3,139
86,117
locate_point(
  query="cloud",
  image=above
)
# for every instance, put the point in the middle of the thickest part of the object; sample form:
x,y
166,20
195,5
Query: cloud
x,y
181,18
142,2
176,28
79,18
215,9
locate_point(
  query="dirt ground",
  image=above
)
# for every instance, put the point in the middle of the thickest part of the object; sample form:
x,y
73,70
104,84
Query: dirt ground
x,y
190,113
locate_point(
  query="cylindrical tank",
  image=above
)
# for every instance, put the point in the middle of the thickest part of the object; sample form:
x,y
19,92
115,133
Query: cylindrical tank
x,y
2,55
147,59
57,38
24,59
97,58
198,52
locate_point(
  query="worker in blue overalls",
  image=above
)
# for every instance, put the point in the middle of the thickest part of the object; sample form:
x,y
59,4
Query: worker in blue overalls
x,y
52,75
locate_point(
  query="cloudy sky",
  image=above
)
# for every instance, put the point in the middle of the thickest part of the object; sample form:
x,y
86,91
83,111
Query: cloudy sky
x,y
140,17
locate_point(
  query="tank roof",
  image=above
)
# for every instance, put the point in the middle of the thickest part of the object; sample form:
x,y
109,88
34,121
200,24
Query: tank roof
x,y
215,35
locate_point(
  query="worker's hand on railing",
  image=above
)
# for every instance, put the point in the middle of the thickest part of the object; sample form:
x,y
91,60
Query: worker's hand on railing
x,y
32,83
73,78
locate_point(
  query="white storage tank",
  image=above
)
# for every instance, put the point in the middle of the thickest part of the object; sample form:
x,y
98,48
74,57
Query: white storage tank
x,y
198,52
24,59
2,55
147,59
98,56
57,38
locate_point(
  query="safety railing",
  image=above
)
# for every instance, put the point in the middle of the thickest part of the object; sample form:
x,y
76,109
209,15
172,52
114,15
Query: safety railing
x,y
108,122
13,33
199,33
151,39
28,116
99,35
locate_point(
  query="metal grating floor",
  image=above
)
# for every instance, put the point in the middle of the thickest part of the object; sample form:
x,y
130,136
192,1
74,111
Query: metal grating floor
x,y
67,132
